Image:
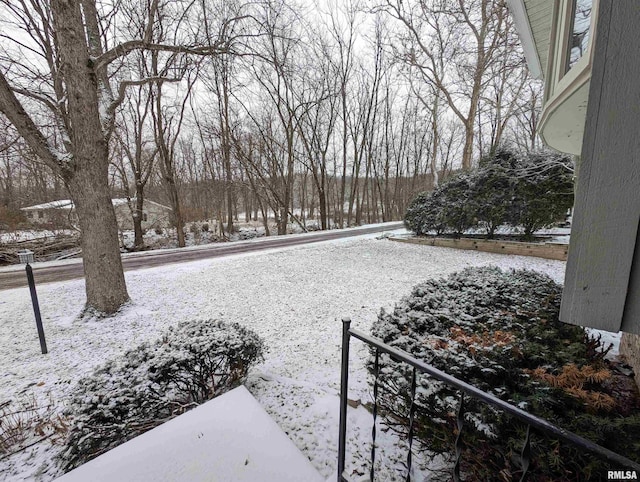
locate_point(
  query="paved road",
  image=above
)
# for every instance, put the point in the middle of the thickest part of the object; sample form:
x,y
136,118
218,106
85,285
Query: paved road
x,y
49,274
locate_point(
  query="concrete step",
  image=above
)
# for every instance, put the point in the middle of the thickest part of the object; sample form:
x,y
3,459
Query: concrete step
x,y
228,439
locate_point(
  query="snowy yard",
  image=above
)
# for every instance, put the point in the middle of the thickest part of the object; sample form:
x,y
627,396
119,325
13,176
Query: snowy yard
x,y
293,297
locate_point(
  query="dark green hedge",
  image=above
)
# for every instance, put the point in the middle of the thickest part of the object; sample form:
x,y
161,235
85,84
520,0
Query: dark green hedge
x,y
527,193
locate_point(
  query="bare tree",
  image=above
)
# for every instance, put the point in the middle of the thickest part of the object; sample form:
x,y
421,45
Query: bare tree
x,y
74,48
342,24
74,100
501,101
134,140
316,119
363,124
168,119
276,78
452,44
524,126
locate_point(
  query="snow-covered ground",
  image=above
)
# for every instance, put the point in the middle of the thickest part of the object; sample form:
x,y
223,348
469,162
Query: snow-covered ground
x,y
29,235
293,297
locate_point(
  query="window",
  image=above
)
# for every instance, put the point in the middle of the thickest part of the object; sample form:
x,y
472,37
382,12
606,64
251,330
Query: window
x,y
40,215
144,216
30,214
579,32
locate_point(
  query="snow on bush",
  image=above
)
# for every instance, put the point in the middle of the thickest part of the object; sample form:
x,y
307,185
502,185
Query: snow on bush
x,y
500,332
528,193
192,363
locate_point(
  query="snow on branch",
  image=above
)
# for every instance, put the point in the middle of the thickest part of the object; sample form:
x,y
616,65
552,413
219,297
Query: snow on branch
x,y
11,107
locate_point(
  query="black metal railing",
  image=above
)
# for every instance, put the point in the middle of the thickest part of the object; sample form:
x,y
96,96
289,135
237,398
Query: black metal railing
x,y
531,421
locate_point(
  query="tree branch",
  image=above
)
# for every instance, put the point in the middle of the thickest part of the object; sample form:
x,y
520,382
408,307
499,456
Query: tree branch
x,y
11,107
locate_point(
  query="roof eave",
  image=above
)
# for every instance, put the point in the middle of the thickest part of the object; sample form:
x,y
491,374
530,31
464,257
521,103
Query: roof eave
x,y
521,20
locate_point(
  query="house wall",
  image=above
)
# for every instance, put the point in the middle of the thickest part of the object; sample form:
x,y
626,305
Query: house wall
x,y
602,283
156,216
55,216
37,216
630,348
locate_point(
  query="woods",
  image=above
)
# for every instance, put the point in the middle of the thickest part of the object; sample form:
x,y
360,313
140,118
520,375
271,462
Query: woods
x,y
329,113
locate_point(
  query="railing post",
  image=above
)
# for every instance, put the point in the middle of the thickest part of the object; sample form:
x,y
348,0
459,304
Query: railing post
x,y
376,373
344,387
525,455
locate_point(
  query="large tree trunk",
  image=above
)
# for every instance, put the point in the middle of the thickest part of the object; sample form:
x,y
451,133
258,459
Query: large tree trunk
x,y
84,167
105,285
88,180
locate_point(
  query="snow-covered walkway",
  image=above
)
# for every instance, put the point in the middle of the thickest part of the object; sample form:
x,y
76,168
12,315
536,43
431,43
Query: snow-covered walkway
x,y
294,298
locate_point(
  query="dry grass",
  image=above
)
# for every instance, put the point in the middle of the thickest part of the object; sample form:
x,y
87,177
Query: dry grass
x,y
25,422
575,382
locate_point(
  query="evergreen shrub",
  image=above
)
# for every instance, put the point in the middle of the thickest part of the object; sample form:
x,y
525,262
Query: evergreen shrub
x,y
543,192
500,332
458,205
192,363
525,192
425,214
493,191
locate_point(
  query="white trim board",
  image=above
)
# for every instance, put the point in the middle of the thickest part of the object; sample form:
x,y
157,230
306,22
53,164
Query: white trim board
x,y
520,18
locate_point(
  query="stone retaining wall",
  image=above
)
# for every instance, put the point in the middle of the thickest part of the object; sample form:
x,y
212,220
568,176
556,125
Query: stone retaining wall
x,y
540,250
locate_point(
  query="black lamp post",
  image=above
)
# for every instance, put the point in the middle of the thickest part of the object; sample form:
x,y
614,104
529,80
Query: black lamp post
x,y
26,257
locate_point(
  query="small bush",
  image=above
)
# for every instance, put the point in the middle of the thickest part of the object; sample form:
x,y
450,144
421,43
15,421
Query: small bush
x,y
413,218
425,214
493,191
500,332
192,363
158,230
450,207
205,227
248,233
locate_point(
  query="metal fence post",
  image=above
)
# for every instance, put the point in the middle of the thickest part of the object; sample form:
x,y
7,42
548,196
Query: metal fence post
x,y
36,308
344,386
